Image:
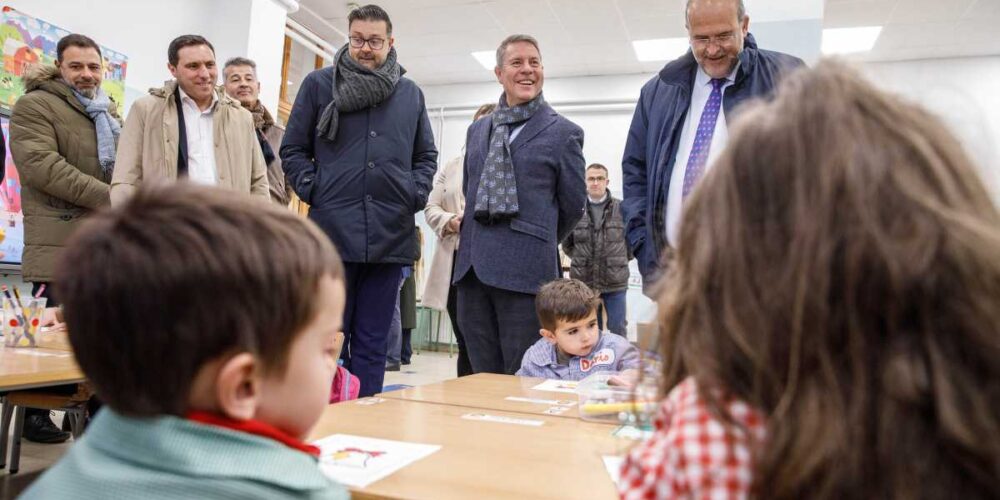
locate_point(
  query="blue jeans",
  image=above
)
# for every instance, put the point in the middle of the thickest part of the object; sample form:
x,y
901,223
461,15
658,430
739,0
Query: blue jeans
x,y
615,304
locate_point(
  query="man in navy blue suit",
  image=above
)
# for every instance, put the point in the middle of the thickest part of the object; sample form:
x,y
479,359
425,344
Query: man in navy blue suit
x,y
525,192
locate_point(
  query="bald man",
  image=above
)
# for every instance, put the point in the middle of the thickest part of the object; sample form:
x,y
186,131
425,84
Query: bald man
x,y
679,125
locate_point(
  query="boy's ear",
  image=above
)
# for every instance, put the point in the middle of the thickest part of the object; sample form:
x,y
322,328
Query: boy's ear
x,y
549,335
237,387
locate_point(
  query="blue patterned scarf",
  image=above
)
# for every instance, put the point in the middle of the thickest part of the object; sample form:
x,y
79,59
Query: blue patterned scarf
x,y
106,126
496,197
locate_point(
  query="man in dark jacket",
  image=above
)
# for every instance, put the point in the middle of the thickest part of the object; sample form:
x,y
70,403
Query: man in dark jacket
x,y
679,124
598,250
524,188
64,134
359,150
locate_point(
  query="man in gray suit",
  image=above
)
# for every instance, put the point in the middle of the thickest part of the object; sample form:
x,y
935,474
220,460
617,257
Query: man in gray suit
x,y
525,192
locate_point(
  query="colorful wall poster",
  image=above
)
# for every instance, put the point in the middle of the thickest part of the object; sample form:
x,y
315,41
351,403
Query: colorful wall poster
x,y
26,40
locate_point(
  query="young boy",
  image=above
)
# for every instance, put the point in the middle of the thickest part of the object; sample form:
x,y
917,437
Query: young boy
x,y
572,347
206,322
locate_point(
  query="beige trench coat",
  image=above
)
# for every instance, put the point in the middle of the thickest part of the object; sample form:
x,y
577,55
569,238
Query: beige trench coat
x,y
445,202
147,147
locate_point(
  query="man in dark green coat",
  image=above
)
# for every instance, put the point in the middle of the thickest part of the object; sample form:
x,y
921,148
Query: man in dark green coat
x,y
63,136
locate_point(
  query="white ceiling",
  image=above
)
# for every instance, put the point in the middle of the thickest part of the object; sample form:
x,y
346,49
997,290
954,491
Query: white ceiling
x,y
434,38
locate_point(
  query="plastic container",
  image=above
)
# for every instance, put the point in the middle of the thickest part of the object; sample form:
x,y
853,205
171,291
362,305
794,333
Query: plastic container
x,y
603,402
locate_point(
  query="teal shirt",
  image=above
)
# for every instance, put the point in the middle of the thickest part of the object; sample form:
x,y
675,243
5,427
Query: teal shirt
x,y
174,458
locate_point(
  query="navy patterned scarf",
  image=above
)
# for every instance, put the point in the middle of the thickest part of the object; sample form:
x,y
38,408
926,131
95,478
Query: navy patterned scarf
x,y
496,197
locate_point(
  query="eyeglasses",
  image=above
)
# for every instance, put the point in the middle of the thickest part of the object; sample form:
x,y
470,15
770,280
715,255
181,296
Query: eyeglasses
x,y
720,40
375,43
596,179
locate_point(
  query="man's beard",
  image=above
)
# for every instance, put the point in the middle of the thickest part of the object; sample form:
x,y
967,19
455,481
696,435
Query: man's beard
x,y
89,93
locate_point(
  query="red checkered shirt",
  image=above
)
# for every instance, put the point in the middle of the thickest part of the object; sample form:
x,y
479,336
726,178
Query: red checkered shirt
x,y
692,454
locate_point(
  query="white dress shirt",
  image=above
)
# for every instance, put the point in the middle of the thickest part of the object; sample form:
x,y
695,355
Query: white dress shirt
x,y
699,96
516,131
198,125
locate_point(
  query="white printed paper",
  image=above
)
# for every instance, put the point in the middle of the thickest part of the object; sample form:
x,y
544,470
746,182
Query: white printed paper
x,y
614,466
550,402
553,385
358,461
483,417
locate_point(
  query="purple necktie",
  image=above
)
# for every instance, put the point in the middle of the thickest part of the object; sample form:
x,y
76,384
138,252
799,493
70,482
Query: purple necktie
x,y
703,138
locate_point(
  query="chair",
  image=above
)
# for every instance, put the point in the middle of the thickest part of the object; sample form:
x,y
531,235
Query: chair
x,y
14,404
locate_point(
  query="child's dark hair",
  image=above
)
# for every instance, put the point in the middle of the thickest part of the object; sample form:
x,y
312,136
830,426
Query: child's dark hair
x,y
564,300
838,268
181,275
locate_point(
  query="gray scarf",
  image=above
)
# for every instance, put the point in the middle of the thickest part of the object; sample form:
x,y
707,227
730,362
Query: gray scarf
x,y
107,127
356,87
496,197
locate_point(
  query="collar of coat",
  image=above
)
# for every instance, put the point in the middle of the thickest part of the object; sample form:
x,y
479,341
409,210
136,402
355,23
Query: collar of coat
x,y
262,119
47,78
170,86
680,71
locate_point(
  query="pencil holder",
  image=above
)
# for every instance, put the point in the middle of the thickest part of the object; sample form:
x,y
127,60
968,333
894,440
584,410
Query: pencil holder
x,y
21,321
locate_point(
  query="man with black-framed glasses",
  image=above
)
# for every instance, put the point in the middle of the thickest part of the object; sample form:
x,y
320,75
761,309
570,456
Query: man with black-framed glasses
x,y
359,150
679,124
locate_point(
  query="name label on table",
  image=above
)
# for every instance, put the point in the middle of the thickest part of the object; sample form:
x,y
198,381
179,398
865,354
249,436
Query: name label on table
x,y
550,402
41,354
483,417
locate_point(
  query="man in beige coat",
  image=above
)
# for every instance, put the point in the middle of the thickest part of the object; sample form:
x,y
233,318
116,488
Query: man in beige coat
x,y
213,141
445,206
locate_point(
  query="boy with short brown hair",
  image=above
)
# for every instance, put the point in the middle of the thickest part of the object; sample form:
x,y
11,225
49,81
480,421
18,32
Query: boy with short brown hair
x,y
572,346
206,322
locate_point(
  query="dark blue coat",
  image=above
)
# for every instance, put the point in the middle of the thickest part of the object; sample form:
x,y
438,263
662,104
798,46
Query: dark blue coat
x,y
364,187
654,138
521,255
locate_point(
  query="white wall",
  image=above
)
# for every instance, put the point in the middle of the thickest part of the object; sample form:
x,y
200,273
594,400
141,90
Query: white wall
x,y
961,91
964,93
142,30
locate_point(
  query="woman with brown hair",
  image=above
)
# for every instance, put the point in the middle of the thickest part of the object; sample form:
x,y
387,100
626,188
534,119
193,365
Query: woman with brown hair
x,y
832,318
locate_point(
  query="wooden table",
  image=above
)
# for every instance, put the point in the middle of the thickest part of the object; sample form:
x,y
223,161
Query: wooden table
x,y
490,391
559,459
30,368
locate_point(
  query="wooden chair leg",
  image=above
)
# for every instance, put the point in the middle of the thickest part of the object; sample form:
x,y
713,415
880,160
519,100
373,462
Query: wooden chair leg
x,y
8,413
15,447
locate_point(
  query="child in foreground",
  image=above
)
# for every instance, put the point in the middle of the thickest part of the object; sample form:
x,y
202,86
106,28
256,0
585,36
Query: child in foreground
x,y
831,320
572,347
206,322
